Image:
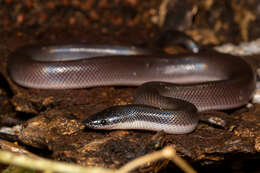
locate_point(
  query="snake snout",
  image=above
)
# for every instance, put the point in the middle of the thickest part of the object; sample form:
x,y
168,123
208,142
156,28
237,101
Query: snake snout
x,y
92,123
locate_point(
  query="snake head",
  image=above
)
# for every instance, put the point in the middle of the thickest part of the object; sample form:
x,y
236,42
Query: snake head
x,y
106,119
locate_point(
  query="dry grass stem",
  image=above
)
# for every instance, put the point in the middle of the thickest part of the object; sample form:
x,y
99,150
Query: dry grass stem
x,y
46,165
166,153
49,166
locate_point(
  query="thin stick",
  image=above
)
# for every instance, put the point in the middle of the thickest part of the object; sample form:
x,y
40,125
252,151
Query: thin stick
x,y
47,165
166,153
53,166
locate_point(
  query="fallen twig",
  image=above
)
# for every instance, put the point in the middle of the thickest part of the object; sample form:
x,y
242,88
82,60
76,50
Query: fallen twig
x,y
46,165
49,166
166,153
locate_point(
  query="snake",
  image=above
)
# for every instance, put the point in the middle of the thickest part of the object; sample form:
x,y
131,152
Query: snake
x,y
172,89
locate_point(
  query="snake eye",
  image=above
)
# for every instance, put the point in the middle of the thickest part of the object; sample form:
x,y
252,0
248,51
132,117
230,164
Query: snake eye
x,y
103,122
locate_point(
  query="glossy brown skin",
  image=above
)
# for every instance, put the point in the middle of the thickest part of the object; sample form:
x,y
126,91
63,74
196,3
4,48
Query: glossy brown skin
x,y
209,80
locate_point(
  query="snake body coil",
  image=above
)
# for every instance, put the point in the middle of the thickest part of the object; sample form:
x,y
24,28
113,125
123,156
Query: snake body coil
x,y
207,80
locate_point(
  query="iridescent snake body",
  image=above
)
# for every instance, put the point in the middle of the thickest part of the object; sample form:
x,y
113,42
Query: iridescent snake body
x,y
175,87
